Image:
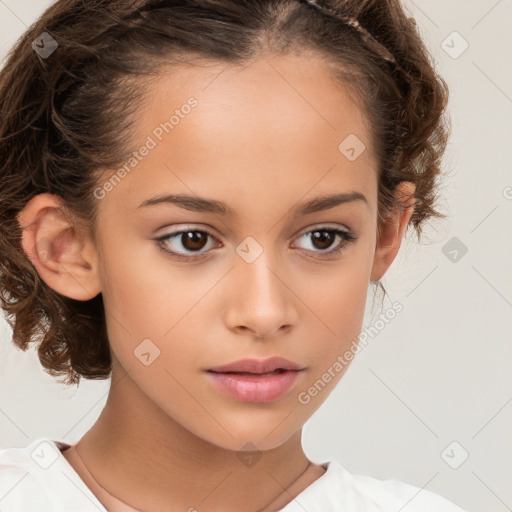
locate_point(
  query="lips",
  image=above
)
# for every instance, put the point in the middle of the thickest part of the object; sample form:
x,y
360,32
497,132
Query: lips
x,y
257,366
255,380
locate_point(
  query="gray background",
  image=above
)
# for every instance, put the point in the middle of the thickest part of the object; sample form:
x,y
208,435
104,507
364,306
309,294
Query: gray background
x,y
434,385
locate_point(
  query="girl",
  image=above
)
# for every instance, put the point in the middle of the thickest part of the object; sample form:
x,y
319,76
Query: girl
x,y
195,196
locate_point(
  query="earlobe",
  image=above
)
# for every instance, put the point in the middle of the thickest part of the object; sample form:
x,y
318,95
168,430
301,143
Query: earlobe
x,y
392,230
63,255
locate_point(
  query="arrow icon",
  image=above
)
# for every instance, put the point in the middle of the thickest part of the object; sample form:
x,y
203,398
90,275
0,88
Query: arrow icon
x,y
146,352
454,249
351,147
454,253
455,455
454,45
248,456
44,455
44,44
451,455
243,249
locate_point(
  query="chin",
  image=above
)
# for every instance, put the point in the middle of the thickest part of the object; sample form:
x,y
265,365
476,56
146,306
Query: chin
x,y
252,437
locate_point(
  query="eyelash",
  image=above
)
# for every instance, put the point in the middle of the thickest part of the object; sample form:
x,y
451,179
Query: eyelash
x,y
347,238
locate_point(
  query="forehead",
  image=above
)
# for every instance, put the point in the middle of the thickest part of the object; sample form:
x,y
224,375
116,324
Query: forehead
x,y
278,124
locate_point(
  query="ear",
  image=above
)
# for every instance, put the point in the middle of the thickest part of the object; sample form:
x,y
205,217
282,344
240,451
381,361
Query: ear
x,y
64,256
392,229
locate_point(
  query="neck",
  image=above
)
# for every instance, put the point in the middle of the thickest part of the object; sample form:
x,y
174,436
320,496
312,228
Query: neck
x,y
137,453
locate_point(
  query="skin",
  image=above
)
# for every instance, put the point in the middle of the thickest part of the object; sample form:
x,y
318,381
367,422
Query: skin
x,y
263,138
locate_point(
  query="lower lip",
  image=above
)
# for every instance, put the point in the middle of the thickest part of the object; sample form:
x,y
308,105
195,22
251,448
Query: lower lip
x,y
255,387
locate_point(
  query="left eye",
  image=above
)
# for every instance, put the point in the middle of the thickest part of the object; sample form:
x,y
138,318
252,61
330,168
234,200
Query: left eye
x,y
323,238
195,240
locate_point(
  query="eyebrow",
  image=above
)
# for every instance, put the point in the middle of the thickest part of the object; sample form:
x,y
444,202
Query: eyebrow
x,y
201,204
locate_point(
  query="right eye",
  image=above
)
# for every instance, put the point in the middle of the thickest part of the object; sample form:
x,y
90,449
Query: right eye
x,y
192,240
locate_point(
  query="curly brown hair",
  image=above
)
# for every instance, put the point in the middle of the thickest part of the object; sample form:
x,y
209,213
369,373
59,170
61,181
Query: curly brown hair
x,y
61,115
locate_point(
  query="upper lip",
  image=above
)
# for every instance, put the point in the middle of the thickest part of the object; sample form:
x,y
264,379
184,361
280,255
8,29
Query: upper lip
x,y
257,365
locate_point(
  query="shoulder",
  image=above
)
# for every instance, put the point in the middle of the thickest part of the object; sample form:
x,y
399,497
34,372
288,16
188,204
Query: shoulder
x,y
387,493
37,477
19,489
339,490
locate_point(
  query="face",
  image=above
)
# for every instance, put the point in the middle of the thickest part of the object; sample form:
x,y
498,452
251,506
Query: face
x,y
263,276
195,287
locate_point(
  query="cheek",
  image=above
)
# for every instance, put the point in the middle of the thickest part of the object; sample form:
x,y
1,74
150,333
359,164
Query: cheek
x,y
338,301
137,284
137,300
146,297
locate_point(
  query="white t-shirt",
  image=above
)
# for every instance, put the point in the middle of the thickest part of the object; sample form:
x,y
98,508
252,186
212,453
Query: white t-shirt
x,y
38,478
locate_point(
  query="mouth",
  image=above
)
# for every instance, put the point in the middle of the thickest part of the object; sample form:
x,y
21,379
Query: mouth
x,y
255,381
273,372
258,366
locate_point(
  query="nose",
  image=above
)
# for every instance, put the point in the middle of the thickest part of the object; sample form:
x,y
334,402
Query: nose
x,y
261,301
